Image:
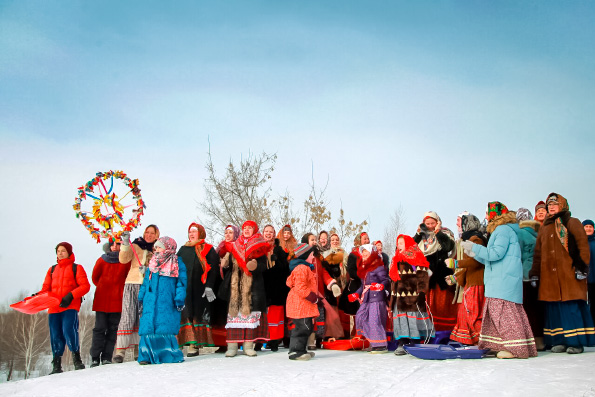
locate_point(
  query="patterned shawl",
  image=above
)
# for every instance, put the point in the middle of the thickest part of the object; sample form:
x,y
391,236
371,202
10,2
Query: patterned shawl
x,y
165,263
411,254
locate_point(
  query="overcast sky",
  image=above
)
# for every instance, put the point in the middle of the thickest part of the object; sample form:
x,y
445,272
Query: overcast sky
x,y
437,105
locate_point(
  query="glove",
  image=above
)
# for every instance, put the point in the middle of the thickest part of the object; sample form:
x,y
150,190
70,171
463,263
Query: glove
x,y
580,275
67,300
450,280
450,263
377,287
251,265
125,238
353,297
209,294
336,290
312,297
468,248
534,281
180,308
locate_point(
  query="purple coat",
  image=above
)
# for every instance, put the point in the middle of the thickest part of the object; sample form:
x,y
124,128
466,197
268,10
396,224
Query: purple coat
x,y
380,276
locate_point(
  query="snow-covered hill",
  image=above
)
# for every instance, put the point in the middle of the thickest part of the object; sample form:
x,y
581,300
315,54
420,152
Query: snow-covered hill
x,y
331,373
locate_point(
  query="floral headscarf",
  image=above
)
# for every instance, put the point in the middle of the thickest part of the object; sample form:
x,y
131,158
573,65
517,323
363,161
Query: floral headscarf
x,y
165,263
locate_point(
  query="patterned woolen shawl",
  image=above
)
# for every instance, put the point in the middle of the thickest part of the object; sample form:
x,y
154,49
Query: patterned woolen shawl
x,y
165,263
411,255
244,249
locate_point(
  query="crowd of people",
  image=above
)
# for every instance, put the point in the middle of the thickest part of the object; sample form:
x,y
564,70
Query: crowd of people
x,y
514,284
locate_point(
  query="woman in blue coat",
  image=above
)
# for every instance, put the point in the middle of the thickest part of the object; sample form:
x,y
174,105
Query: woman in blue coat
x,y
505,327
162,296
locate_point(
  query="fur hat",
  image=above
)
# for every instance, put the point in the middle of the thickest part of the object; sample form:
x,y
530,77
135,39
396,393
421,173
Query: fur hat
x,y
67,246
588,222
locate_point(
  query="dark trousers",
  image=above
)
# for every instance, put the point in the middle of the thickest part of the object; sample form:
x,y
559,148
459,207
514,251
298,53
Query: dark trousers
x,y
591,296
299,335
64,329
104,335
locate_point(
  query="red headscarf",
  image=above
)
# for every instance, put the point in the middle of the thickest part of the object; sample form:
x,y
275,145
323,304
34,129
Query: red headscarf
x,y
202,249
373,262
244,249
411,254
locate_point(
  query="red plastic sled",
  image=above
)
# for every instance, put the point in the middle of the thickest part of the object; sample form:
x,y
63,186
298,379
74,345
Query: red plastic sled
x,y
37,303
356,343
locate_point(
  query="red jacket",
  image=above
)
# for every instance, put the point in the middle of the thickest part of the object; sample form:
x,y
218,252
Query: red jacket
x,y
302,282
323,279
61,282
109,278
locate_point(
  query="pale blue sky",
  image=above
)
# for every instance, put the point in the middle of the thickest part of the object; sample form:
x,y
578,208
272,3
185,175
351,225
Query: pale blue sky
x,y
441,105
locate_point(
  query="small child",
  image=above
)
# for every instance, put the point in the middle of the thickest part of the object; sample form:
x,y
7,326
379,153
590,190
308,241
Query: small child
x,y
372,314
301,307
410,273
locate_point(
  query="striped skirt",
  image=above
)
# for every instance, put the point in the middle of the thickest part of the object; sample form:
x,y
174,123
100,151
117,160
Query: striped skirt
x,y
506,327
412,325
127,335
470,316
568,323
195,333
442,310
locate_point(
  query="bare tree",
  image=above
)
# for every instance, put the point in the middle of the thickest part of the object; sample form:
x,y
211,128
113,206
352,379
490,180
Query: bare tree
x,y
240,194
30,337
346,229
395,226
86,324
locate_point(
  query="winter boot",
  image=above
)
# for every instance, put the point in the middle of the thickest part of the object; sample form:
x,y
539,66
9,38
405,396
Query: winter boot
x,y
312,341
95,362
119,357
379,350
192,351
106,361
505,354
57,364
575,350
559,349
273,345
249,349
400,350
232,350
76,360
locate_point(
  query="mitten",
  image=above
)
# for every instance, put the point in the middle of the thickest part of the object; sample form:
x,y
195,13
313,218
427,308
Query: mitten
x,y
209,294
251,265
336,290
468,248
180,308
67,300
451,279
377,287
312,297
353,297
450,263
534,281
125,238
580,275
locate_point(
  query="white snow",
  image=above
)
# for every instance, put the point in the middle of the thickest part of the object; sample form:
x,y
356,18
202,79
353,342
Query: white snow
x,y
334,373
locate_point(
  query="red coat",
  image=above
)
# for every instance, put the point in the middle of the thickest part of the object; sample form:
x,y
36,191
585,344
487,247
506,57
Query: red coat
x,y
109,278
61,282
323,279
302,282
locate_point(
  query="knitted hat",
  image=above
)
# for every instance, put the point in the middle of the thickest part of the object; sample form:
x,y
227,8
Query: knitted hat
x,y
433,215
159,243
552,198
539,205
302,251
523,214
496,208
66,245
588,222
287,228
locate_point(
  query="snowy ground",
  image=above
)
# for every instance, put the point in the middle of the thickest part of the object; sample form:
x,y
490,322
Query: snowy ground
x,y
329,373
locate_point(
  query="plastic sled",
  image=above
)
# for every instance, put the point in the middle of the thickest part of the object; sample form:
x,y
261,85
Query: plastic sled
x,y
356,343
444,352
37,303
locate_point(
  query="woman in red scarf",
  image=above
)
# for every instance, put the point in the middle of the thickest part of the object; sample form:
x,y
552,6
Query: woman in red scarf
x,y
202,267
243,289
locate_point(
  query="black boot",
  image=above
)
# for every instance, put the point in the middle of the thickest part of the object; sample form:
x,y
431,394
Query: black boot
x,y
273,345
76,360
57,363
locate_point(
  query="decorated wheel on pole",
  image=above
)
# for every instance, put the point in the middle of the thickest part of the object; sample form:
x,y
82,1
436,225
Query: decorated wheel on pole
x,y
109,204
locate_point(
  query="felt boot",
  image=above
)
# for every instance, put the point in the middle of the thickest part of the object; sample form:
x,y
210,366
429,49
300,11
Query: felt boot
x,y
232,350
249,349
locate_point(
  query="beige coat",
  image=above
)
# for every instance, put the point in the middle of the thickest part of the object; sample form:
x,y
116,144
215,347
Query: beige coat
x,y
135,276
